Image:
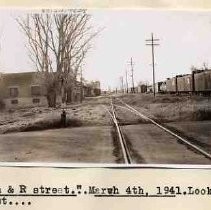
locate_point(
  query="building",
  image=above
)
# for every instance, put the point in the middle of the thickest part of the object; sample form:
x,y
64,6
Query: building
x,y
92,89
142,88
26,90
22,89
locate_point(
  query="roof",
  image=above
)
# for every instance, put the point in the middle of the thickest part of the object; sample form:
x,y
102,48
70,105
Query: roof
x,y
19,73
17,78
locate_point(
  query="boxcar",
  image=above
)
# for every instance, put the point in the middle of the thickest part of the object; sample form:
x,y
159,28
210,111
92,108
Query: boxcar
x,y
171,85
184,83
163,87
157,87
202,81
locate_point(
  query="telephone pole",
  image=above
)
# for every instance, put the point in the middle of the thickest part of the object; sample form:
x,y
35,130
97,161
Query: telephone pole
x,y
126,81
152,42
132,72
122,84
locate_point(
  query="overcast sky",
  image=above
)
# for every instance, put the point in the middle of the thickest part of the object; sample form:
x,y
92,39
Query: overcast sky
x,y
185,40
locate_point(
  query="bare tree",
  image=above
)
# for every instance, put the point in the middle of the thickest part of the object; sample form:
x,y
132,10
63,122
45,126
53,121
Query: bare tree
x,y
205,66
193,68
58,43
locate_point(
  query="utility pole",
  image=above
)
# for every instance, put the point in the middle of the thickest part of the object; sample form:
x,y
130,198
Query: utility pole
x,y
122,84
132,72
126,81
109,89
152,42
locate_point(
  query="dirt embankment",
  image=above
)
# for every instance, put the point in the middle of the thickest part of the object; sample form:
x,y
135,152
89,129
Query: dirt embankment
x,y
171,107
165,108
90,112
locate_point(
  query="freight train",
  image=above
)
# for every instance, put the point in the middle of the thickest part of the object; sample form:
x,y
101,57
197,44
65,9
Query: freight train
x,y
198,82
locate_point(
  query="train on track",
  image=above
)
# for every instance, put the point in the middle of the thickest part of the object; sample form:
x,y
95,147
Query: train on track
x,y
198,82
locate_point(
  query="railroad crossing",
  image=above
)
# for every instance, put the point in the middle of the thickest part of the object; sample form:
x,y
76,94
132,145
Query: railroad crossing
x,y
129,137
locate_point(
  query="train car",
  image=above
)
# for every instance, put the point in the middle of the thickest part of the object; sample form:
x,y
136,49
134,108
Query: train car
x,y
163,87
202,82
149,89
184,83
171,85
160,87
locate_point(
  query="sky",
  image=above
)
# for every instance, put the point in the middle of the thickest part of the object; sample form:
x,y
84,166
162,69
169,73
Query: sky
x,y
185,40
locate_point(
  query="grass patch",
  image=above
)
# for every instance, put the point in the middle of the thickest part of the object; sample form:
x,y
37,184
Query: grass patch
x,y
168,108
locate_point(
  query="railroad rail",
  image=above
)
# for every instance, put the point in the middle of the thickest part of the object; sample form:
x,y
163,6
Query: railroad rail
x,y
123,144
178,137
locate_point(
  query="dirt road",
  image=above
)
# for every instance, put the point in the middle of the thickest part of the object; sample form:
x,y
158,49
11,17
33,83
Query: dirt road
x,y
95,145
70,145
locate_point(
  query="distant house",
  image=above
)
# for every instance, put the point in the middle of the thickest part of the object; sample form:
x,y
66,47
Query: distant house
x,y
22,89
142,88
92,89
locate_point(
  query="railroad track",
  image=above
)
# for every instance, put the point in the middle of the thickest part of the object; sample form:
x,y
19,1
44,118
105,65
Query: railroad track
x,y
124,147
123,144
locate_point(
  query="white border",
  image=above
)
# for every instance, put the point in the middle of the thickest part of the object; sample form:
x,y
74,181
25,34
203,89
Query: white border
x,y
103,165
